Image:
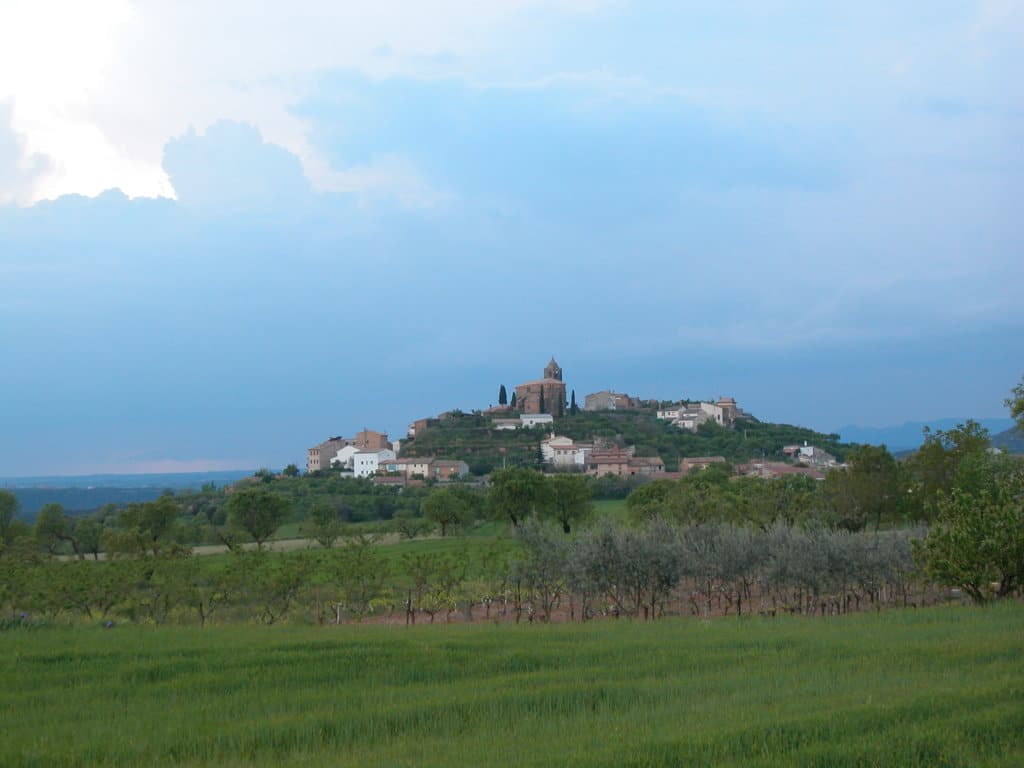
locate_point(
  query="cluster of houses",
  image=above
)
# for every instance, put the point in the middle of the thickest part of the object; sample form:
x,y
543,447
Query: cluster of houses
x,y
562,454
370,454
687,415
537,404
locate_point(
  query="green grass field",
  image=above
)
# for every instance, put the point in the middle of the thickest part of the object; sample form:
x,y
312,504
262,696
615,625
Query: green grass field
x,y
937,687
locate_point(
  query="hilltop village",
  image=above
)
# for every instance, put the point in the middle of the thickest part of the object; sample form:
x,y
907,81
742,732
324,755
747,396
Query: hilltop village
x,y
543,425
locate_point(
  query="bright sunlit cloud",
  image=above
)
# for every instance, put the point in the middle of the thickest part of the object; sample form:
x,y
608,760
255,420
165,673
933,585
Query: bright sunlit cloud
x,y
57,59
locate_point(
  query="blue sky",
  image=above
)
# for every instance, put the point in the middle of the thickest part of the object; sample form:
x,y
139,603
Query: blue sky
x,y
239,233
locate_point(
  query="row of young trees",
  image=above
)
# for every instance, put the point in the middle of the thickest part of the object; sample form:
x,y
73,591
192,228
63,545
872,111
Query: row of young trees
x,y
645,571
148,528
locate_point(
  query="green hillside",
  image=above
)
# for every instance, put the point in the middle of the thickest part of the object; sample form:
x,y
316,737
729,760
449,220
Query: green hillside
x,y
472,437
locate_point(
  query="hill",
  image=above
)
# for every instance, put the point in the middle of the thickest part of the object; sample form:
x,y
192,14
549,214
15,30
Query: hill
x,y
1012,440
473,438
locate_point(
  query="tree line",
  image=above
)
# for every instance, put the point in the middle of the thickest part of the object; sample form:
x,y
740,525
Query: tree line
x,y
647,571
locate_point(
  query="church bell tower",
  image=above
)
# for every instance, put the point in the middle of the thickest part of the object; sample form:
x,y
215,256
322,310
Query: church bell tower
x,y
553,370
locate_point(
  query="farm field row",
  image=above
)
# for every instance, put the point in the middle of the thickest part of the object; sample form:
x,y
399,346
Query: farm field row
x,y
942,686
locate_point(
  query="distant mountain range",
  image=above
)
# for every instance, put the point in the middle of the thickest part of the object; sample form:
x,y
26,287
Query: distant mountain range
x,y
1012,440
908,436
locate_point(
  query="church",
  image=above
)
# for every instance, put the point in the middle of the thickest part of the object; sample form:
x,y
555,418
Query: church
x,y
545,395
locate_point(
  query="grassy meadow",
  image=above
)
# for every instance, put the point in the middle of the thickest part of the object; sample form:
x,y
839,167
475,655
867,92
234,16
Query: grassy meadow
x,y
935,687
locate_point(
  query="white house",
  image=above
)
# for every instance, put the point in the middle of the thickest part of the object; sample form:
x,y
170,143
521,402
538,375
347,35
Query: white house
x,y
366,463
548,445
571,456
507,424
536,419
343,458
713,411
412,468
669,414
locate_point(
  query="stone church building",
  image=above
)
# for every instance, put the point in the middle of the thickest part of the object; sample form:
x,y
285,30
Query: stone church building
x,y
546,395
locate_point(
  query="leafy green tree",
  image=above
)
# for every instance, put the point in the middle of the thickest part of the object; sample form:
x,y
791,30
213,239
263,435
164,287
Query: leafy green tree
x,y
258,511
977,542
868,489
706,495
54,528
291,471
409,525
324,525
516,493
658,498
502,395
269,583
1016,404
544,567
89,532
445,508
935,467
149,528
203,587
361,575
8,511
569,499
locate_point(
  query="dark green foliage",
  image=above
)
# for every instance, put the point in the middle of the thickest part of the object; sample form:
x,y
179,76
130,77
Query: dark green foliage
x,y
569,499
471,437
291,471
711,495
573,408
324,523
8,512
149,528
446,508
516,493
1016,404
867,490
977,542
935,469
52,528
257,511
502,396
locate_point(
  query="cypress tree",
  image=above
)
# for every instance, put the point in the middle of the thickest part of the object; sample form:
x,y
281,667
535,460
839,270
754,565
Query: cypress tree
x,y
573,409
513,403
502,396
542,401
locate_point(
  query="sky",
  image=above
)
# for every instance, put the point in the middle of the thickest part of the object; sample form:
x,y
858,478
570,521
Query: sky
x,y
230,230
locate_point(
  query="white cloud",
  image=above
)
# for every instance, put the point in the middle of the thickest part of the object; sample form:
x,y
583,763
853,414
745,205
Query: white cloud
x,y
101,86
20,170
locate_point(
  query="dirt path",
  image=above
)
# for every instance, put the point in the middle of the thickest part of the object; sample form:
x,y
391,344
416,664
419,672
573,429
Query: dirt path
x,y
276,545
